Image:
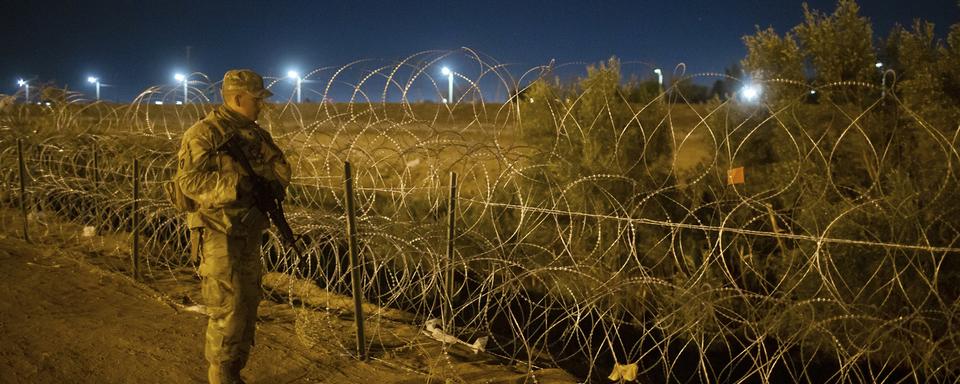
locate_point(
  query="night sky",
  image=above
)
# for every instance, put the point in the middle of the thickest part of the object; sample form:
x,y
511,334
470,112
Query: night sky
x,y
135,44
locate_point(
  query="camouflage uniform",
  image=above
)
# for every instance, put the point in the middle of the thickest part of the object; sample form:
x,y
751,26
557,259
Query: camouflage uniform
x,y
230,225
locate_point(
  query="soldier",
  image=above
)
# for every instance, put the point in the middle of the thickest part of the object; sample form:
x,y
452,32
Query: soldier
x,y
226,227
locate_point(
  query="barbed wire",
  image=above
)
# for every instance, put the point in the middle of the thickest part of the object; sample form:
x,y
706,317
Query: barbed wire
x,y
594,230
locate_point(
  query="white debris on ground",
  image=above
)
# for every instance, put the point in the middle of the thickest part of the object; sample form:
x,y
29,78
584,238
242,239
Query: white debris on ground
x,y
433,331
623,372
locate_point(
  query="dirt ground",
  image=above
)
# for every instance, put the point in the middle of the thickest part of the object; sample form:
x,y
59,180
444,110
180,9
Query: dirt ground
x,y
68,314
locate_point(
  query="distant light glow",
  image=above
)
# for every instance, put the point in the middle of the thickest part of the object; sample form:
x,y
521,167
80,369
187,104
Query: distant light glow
x,y
449,74
878,65
813,92
21,82
295,76
158,102
179,77
179,102
657,71
750,92
91,79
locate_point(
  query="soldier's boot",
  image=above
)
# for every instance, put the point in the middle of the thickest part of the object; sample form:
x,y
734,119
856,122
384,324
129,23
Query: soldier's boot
x,y
224,374
213,374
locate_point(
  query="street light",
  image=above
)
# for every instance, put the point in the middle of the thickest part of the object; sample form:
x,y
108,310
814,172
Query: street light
x,y
750,92
296,76
659,81
446,71
23,83
883,80
181,77
95,81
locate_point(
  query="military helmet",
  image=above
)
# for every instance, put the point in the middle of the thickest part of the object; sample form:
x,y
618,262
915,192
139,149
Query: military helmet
x,y
245,80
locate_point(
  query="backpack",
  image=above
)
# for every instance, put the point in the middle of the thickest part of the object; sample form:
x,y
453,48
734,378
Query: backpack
x,y
175,195
177,199
184,204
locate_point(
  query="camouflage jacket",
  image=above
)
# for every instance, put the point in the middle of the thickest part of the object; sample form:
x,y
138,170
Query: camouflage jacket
x,y
218,183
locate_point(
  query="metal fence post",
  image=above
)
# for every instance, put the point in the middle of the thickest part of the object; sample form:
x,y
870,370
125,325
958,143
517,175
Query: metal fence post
x,y
136,219
448,270
23,190
354,260
96,167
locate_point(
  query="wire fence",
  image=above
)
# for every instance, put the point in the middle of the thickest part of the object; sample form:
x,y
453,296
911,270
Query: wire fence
x,y
775,241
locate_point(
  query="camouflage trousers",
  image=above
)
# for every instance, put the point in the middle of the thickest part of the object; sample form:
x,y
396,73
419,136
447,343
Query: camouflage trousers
x,y
231,271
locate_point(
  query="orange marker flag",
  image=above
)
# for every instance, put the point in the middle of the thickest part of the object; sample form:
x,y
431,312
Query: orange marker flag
x,y
735,176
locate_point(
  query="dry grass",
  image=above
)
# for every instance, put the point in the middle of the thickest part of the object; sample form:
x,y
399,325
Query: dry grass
x,y
662,263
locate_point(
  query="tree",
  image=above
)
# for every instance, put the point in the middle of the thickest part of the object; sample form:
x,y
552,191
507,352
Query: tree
x,y
601,94
589,151
840,45
641,91
541,113
913,54
771,57
727,86
718,90
949,64
686,91
928,70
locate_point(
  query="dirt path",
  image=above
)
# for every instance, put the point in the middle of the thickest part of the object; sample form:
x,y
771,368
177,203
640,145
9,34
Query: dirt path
x,y
63,321
66,318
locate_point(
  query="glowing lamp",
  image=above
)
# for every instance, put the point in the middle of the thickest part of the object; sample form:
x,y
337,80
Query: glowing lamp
x,y
750,92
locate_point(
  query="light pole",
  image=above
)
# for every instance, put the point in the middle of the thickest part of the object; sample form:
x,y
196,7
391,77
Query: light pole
x,y
446,71
96,82
296,76
26,86
659,78
883,79
659,84
181,77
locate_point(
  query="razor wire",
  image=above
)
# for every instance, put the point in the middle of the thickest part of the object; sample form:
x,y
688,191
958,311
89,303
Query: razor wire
x,y
593,232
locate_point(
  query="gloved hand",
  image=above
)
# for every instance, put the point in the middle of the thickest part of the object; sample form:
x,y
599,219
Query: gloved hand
x,y
270,189
278,190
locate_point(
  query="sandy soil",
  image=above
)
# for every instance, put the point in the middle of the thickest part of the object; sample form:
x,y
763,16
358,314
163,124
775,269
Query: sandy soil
x,y
68,314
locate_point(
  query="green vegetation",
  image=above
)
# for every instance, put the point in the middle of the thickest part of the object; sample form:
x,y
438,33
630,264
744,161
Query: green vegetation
x,y
595,216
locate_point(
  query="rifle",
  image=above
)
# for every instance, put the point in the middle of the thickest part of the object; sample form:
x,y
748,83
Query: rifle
x,y
264,198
